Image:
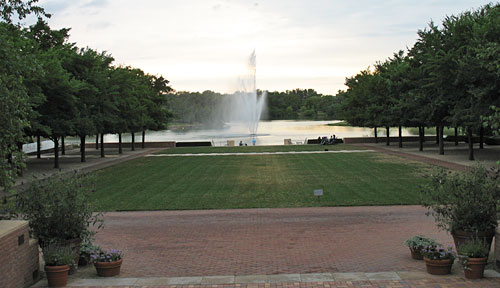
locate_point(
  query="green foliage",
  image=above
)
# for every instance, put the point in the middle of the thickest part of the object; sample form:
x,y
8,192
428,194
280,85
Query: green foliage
x,y
55,255
9,8
18,67
437,252
418,242
475,248
59,208
465,201
493,121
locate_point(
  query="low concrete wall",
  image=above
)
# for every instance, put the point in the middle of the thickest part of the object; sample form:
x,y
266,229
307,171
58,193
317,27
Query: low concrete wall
x,y
383,139
19,255
166,144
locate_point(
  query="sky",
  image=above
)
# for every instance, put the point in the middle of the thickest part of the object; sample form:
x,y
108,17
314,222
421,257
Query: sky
x,y
205,44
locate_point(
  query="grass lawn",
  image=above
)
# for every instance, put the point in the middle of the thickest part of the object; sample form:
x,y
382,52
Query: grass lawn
x,y
220,182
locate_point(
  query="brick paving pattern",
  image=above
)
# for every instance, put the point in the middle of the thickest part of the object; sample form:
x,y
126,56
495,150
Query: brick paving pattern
x,y
267,241
433,283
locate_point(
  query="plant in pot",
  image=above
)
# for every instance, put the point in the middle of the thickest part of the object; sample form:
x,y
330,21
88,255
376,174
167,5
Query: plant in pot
x,y
60,210
57,262
464,204
107,263
417,243
438,260
473,257
86,249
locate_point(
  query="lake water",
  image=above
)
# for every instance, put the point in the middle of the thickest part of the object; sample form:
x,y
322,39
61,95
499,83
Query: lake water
x,y
268,133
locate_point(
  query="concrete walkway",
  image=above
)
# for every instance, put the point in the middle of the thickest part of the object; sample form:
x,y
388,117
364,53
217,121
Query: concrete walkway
x,y
258,153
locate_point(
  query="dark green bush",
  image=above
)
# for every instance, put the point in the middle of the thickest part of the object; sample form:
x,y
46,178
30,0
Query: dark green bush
x,y
59,208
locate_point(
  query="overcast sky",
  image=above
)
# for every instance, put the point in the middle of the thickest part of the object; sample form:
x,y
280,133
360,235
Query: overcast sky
x,y
204,44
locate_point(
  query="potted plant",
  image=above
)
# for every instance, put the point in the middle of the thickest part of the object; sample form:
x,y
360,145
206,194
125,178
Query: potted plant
x,y
464,204
417,243
57,261
438,260
107,263
60,210
474,257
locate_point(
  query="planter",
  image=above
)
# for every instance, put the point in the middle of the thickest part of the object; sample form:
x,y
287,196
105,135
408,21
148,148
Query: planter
x,y
108,269
57,276
416,254
461,237
475,268
438,267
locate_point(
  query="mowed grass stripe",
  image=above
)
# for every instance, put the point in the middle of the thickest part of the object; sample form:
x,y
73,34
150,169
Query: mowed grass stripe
x,y
223,182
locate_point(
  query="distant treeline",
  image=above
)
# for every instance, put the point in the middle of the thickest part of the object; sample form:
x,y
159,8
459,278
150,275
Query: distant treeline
x,y
212,107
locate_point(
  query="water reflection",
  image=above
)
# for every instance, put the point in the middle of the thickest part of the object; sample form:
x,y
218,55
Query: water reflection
x,y
269,133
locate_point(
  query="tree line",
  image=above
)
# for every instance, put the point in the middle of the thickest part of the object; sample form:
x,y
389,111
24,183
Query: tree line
x,y
51,88
450,77
212,107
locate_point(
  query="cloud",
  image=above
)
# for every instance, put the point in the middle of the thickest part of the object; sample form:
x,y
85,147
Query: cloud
x,y
205,43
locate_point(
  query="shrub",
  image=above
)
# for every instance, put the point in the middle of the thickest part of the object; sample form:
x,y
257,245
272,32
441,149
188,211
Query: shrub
x,y
59,208
464,201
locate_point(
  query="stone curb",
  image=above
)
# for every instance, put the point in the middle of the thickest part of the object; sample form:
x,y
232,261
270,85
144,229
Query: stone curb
x,y
263,279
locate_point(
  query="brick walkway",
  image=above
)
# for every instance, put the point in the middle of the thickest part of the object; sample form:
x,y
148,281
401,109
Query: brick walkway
x,y
432,283
267,241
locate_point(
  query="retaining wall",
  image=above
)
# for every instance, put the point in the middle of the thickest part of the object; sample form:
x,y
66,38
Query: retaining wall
x,y
383,139
167,144
19,262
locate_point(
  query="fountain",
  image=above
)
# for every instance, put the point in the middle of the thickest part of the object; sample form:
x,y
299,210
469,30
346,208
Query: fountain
x,y
246,104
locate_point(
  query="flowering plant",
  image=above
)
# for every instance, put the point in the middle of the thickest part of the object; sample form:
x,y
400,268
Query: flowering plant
x,y
418,242
99,255
437,252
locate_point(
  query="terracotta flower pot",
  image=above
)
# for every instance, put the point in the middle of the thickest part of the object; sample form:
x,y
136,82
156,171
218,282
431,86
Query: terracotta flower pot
x,y
416,254
57,276
438,267
462,237
108,269
475,268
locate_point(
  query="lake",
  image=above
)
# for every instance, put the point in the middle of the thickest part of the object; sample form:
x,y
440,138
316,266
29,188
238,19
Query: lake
x,y
268,133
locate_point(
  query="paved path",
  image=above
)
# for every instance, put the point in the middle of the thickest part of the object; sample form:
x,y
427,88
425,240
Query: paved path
x,y
292,247
455,157
258,153
267,241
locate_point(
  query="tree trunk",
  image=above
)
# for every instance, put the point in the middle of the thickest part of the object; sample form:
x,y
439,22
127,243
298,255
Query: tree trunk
x,y
97,141
421,138
423,134
456,136
38,147
120,143
143,137
132,144
441,140
82,149
20,149
400,138
387,136
376,138
471,144
102,145
63,149
481,137
437,134
56,152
